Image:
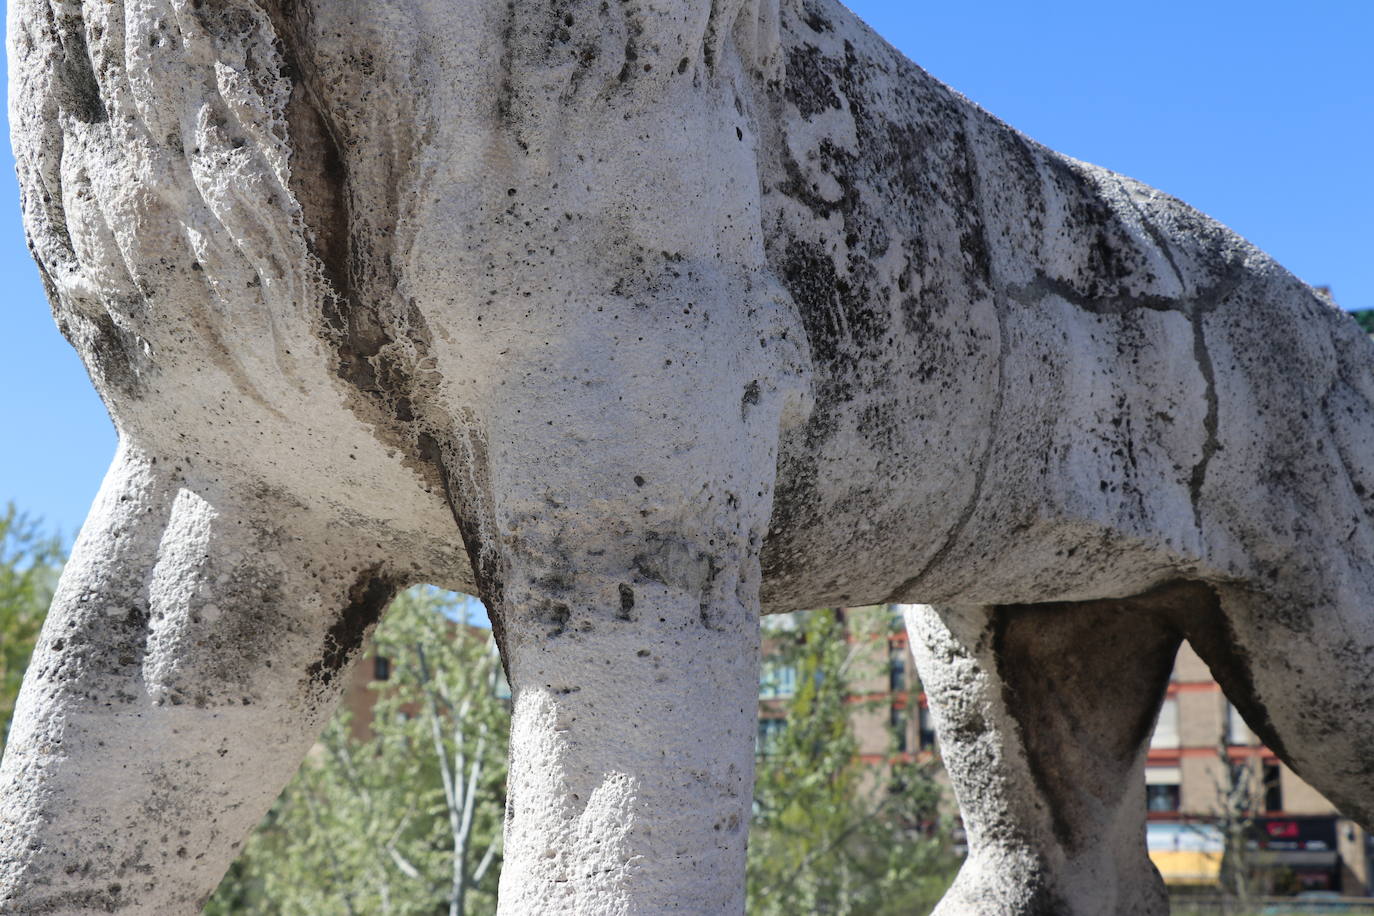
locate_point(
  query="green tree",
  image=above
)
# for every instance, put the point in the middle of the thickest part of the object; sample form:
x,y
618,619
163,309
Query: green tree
x,y
1365,317
30,561
408,820
832,834
1239,797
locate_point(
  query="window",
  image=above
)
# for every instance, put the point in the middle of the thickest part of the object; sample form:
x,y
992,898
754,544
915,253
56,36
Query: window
x,y
1161,798
1166,728
896,668
770,732
1237,732
1273,788
777,680
897,718
381,668
1162,788
926,729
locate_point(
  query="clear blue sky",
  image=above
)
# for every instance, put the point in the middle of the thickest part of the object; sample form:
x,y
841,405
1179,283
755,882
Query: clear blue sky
x,y
1259,113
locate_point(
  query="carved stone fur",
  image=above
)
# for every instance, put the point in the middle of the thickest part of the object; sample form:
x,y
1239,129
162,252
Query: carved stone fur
x,y
641,318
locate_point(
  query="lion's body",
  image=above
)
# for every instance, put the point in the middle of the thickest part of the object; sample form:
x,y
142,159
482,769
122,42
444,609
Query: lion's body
x,y
640,319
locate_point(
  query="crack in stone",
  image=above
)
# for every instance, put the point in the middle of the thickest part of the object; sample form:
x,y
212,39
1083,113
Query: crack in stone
x,y
1033,293
1210,445
1194,308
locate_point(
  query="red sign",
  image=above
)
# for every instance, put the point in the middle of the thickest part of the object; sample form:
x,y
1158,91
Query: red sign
x,y
1282,830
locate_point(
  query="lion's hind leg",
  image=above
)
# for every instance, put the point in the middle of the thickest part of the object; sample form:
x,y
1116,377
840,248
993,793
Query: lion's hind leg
x,y
1044,714
199,639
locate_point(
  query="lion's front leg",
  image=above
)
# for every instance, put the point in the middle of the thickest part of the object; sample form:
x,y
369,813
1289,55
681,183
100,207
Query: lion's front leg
x,y
629,607
616,523
635,682
193,651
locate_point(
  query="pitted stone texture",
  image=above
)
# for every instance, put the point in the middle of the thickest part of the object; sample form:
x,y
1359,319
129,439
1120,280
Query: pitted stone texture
x,y
640,318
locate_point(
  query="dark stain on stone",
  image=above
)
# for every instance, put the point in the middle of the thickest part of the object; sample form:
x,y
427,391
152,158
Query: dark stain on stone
x,y
1040,898
506,94
628,69
815,20
465,502
1097,302
910,167
708,588
649,564
77,90
750,398
367,599
810,276
965,729
627,602
973,245
834,161
558,615
796,498
113,351
808,85
100,900
1210,444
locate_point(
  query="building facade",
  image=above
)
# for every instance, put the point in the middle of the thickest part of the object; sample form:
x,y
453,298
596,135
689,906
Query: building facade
x,y
1206,770
888,710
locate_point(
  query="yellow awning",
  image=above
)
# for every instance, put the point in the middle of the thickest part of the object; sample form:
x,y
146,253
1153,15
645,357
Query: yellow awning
x,y
1187,866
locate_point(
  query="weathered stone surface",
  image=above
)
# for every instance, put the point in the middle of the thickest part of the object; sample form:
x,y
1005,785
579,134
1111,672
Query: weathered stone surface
x,y
639,318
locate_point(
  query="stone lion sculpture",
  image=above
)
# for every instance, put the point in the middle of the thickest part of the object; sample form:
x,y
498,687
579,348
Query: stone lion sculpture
x,y
639,318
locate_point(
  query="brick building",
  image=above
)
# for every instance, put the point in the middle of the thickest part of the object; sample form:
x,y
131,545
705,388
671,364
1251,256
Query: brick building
x,y
1300,840
889,714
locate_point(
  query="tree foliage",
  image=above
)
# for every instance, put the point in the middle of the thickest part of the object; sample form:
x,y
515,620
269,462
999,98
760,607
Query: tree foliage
x,y
1365,317
1239,791
832,834
406,821
1238,795
30,561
